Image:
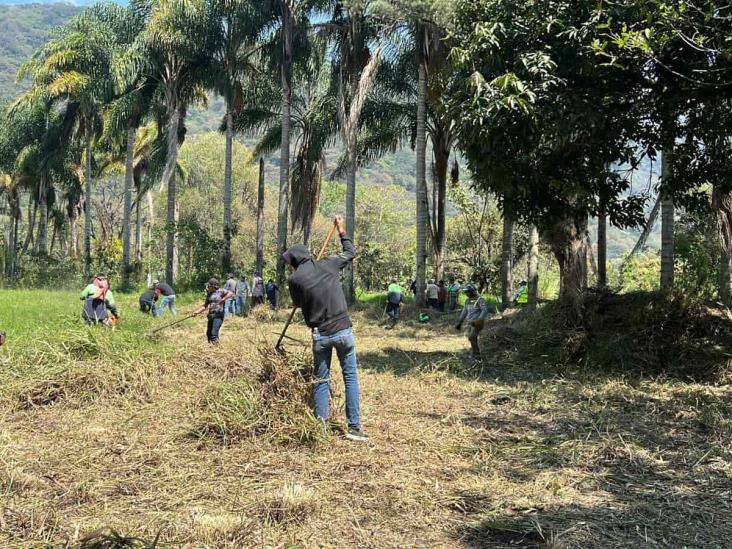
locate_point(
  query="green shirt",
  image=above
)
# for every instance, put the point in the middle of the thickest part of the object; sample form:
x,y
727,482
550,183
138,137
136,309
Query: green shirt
x,y
91,291
395,288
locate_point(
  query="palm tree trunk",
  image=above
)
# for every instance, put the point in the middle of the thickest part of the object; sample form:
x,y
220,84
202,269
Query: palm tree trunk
x,y
127,208
533,274
226,259
648,228
602,248
32,211
667,224
169,180
284,199
88,208
352,153
442,160
260,219
507,260
722,205
138,233
42,238
422,202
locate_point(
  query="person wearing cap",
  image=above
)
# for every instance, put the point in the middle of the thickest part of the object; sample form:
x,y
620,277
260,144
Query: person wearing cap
x,y
99,304
315,287
474,313
216,298
168,297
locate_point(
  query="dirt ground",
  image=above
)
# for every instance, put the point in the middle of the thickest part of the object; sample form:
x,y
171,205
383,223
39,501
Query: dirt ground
x,y
462,454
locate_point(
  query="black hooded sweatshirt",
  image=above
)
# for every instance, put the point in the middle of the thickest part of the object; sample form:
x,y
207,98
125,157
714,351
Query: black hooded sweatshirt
x,y
315,287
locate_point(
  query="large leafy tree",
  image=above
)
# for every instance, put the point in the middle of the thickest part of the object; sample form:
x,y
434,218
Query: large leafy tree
x,y
541,118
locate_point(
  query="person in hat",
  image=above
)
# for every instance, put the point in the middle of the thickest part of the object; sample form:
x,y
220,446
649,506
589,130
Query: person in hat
x,y
474,313
99,304
166,291
521,297
315,287
216,298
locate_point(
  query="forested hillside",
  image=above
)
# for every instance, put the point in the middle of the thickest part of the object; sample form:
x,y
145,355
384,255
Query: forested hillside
x,y
23,29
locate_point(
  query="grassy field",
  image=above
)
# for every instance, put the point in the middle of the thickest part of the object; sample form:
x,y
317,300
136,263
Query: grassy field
x,y
164,437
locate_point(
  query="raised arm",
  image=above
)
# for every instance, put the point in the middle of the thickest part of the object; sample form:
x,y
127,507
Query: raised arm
x,y
349,250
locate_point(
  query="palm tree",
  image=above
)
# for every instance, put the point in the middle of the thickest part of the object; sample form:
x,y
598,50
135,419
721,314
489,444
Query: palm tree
x,y
238,24
533,273
313,118
174,50
356,66
507,259
75,70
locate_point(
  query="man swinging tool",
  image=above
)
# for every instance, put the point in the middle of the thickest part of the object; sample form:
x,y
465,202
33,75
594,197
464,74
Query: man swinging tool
x,y
315,287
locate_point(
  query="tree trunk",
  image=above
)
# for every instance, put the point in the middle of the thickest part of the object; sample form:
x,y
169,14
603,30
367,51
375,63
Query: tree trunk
x,y
88,207
138,233
127,208
349,287
442,160
602,248
648,228
533,274
260,219
74,235
42,238
226,259
169,180
722,205
422,203
284,199
568,240
32,211
507,260
667,224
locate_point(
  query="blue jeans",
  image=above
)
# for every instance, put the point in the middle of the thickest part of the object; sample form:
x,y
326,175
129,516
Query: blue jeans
x,y
167,301
240,302
345,345
230,307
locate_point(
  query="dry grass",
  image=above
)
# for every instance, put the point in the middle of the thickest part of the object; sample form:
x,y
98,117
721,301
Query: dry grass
x,y
499,454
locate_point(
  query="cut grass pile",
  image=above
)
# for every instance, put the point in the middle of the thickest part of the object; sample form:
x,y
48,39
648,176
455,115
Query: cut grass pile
x,y
521,450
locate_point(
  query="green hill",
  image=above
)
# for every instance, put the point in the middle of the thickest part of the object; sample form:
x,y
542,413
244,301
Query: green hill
x,y
23,28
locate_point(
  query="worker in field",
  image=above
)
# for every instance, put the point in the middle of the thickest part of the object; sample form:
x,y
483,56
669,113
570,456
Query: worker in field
x,y
521,297
273,293
167,298
148,301
441,295
453,293
230,287
257,290
474,313
316,288
432,293
216,298
242,294
2,339
99,304
394,300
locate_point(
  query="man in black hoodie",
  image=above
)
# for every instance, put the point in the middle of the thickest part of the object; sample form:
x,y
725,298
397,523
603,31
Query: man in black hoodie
x,y
315,287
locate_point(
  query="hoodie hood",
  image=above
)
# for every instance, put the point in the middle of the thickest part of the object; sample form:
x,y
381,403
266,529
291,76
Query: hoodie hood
x,y
297,255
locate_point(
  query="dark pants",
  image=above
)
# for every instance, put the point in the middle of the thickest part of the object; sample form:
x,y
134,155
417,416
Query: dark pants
x,y
432,303
148,307
392,311
214,325
441,306
257,300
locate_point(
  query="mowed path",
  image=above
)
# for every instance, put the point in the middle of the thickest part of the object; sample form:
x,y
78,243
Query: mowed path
x,y
461,455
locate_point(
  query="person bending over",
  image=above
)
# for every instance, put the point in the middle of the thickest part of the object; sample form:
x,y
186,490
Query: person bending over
x,y
99,304
315,287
